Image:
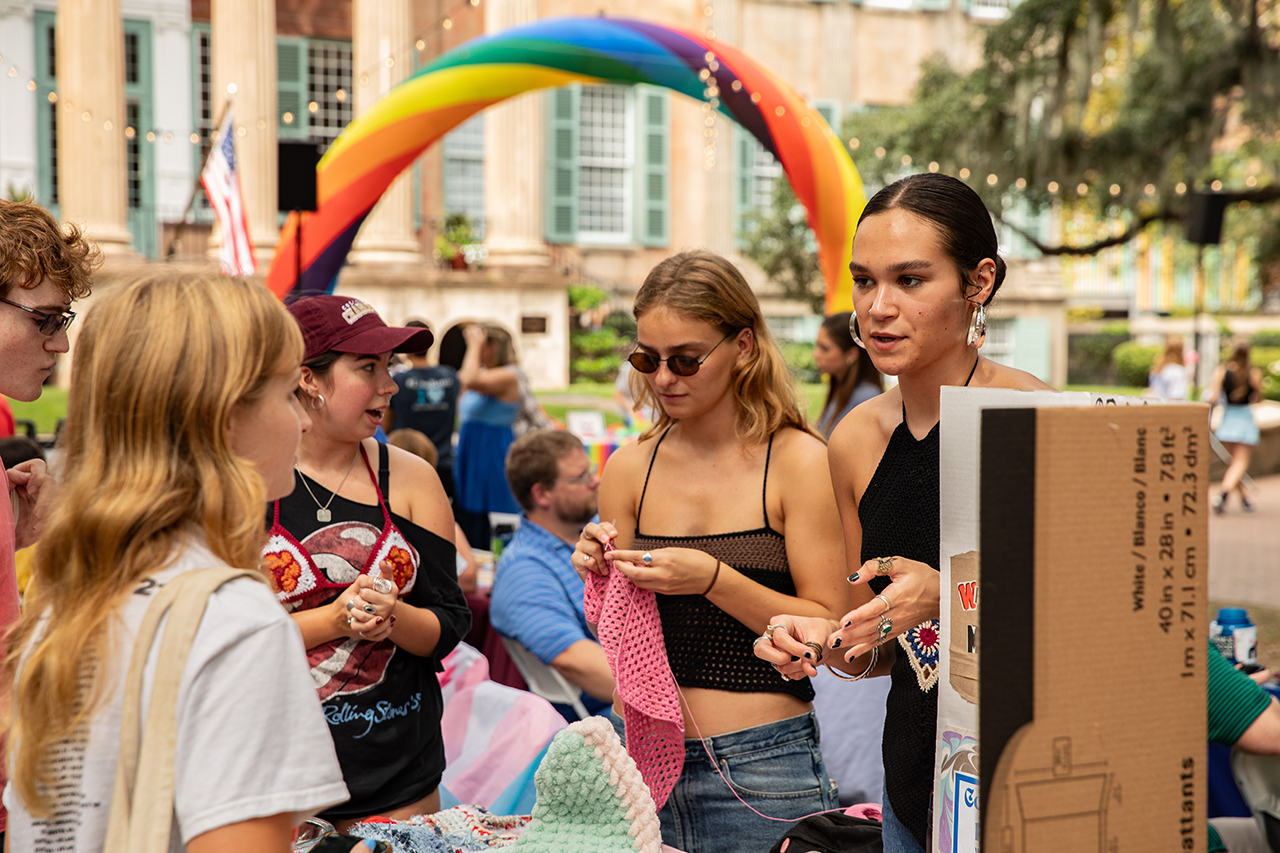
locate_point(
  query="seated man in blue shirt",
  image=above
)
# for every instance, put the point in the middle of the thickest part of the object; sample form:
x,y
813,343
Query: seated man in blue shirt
x,y
537,595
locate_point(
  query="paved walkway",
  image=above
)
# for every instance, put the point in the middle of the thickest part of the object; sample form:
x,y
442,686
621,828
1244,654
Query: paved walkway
x,y
1244,550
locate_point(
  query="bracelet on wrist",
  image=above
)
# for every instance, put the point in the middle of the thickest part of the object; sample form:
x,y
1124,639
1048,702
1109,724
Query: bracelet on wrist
x,y
875,657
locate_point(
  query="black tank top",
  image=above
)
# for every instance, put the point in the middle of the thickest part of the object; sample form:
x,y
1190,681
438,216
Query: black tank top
x,y
707,647
899,514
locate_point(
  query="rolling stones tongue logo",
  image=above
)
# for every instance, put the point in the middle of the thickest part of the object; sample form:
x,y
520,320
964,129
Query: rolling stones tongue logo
x,y
350,665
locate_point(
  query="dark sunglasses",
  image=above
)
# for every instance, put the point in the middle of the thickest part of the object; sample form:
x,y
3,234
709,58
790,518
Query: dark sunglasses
x,y
680,365
50,324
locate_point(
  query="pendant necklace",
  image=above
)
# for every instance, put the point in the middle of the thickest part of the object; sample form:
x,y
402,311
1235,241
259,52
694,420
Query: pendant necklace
x,y
322,513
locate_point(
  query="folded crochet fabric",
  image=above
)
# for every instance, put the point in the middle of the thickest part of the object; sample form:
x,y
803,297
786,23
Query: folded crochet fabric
x,y
630,630
591,798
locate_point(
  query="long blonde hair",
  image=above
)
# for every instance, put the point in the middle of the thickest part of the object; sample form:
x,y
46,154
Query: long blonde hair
x,y
706,287
158,367
1172,354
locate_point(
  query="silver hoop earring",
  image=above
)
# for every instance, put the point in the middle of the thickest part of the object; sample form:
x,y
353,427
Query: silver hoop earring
x,y
977,327
313,405
855,331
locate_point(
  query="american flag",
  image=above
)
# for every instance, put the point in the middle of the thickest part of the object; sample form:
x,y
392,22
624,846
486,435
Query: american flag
x,y
222,185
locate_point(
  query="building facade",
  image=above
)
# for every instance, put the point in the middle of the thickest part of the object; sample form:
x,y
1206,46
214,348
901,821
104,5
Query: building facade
x,y
110,106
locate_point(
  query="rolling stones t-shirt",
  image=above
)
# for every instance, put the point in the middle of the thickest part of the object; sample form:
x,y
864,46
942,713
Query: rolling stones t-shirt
x,y
383,704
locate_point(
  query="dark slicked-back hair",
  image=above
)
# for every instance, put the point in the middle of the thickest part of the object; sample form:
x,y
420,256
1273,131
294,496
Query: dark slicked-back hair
x,y
955,210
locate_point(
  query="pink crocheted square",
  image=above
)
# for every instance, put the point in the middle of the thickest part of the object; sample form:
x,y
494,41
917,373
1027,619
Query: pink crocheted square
x,y
630,631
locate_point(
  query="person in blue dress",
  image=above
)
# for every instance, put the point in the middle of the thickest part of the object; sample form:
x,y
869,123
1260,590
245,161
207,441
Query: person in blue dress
x,y
495,405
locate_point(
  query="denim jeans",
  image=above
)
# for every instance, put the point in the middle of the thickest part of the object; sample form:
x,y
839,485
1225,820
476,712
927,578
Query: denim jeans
x,y
897,838
777,768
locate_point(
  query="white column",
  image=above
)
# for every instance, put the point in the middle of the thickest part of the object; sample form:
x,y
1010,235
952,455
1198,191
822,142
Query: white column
x,y
91,152
382,35
244,61
721,219
513,165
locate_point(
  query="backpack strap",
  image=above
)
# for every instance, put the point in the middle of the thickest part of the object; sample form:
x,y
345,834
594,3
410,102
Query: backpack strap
x,y
141,815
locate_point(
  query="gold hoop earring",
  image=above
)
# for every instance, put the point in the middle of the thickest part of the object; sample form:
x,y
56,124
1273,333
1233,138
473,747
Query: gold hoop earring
x,y
313,405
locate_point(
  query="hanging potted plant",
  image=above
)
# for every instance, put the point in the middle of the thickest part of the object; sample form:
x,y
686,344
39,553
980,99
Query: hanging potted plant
x,y
457,236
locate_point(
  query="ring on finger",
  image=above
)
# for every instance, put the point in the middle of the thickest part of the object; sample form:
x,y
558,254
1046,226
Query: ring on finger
x,y
883,565
887,605
758,640
382,585
647,558
817,651
886,627
351,604
349,621
768,631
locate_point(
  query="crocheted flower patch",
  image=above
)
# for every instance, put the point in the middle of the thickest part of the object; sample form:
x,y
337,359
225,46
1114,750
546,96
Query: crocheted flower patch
x,y
921,644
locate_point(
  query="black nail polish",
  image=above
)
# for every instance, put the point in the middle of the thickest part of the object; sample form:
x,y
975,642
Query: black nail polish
x,y
853,578
808,654
847,624
835,644
794,658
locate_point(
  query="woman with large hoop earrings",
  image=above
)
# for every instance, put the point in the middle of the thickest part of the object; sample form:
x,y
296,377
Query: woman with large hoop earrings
x,y
925,266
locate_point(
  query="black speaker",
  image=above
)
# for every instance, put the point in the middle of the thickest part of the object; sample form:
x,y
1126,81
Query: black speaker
x,y
296,171
1204,218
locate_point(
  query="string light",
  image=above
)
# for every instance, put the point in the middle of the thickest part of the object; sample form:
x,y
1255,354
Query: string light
x,y
1021,183
1216,186
880,152
854,143
993,179
1082,188
1251,181
1053,186
964,174
1149,189
933,166
1181,188
906,159
1114,189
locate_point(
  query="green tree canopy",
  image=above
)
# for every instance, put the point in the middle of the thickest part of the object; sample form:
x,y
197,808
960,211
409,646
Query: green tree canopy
x,y
1123,107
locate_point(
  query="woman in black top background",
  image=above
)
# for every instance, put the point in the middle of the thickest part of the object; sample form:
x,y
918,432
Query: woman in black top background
x,y
729,496
925,266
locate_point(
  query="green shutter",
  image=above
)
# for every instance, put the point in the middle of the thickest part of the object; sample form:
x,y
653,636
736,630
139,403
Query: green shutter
x,y
1031,346
46,113
829,109
561,192
291,87
653,167
744,159
140,153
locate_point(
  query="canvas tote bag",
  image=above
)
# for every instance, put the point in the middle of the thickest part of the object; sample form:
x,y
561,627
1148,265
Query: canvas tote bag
x,y
142,801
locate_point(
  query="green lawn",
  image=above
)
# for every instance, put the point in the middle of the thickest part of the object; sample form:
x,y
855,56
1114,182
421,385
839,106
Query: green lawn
x,y
45,411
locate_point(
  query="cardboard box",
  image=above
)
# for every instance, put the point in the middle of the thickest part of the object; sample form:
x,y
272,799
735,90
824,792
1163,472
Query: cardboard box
x,y
1079,538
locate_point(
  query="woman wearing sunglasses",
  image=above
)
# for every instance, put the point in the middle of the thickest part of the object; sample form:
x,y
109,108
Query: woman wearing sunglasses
x,y
724,508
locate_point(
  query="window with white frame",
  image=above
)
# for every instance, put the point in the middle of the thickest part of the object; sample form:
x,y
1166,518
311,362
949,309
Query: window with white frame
x,y
758,172
328,87
1000,341
464,171
606,155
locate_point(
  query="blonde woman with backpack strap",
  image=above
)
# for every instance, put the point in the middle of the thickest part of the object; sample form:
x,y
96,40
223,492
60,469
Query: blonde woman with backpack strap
x,y
182,422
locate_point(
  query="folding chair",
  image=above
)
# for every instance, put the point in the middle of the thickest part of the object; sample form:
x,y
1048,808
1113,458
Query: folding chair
x,y
543,680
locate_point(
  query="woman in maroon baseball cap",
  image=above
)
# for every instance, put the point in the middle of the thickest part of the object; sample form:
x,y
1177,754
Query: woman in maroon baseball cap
x,y
362,555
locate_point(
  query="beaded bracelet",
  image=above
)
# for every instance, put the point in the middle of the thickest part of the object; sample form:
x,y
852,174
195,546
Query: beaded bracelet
x,y
875,657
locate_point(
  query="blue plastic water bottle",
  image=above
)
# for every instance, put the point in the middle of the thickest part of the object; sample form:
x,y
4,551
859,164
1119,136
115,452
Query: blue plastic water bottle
x,y
1234,635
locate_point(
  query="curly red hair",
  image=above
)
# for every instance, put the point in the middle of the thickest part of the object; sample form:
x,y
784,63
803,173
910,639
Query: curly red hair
x,y
34,247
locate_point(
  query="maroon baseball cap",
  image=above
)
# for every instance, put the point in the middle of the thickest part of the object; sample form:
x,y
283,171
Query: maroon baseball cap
x,y
346,324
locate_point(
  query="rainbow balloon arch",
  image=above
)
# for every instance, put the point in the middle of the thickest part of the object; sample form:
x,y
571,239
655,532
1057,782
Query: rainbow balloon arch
x,y
375,148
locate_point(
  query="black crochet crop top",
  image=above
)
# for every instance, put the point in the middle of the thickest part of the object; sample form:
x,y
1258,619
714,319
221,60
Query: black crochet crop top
x,y
707,647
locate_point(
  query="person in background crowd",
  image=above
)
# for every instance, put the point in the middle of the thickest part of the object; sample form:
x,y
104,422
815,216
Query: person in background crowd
x,y
362,556
176,434
496,407
15,450
1235,385
43,269
724,509
427,401
925,265
853,378
1242,716
537,597
1168,378
419,445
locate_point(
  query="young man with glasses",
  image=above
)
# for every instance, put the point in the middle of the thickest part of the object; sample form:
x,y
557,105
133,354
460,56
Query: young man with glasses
x,y
537,597
43,268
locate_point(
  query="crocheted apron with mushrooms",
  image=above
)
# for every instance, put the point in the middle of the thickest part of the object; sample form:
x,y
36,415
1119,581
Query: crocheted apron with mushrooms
x,y
308,573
